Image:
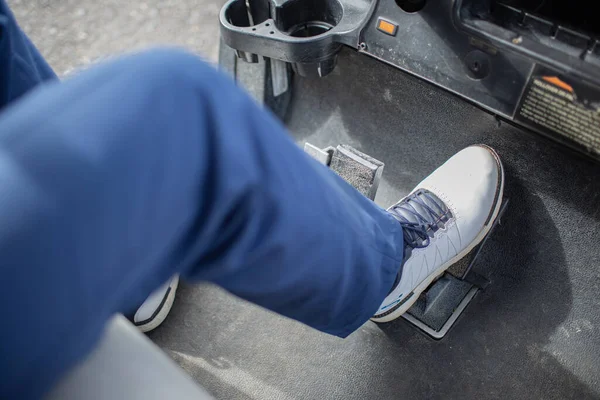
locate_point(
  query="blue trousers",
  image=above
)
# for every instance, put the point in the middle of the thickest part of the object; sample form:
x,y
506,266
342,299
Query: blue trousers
x,y
155,164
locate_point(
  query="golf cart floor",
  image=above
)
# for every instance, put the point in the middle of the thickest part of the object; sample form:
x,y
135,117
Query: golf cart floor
x,y
533,333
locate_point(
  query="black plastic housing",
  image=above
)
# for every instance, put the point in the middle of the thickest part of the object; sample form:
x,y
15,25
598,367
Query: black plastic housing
x,y
306,33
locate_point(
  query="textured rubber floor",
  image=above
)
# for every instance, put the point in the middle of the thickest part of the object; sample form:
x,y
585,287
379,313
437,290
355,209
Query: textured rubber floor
x,y
534,333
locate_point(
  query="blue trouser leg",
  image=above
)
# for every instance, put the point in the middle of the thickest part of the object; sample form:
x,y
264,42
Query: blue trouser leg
x,y
21,65
155,164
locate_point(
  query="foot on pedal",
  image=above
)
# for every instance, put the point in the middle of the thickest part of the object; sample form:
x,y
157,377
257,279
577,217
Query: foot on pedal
x,y
443,219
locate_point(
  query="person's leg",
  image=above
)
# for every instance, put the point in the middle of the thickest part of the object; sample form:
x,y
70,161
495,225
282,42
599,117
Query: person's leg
x,y
22,67
155,164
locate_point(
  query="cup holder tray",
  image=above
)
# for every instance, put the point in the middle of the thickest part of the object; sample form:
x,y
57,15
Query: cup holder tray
x,y
306,33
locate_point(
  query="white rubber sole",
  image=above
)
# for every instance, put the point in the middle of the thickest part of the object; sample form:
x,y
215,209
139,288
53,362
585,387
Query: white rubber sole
x,y
440,271
160,317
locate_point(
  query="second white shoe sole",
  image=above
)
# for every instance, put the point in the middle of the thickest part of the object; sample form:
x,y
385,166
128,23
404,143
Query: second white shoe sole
x,y
165,308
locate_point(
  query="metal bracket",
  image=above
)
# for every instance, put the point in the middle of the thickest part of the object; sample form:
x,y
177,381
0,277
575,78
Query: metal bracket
x,y
439,334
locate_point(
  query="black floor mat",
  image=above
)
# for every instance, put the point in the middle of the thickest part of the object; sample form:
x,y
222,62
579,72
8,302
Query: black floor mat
x,y
534,333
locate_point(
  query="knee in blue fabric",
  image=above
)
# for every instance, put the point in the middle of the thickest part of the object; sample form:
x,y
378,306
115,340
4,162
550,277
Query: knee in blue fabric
x,y
174,67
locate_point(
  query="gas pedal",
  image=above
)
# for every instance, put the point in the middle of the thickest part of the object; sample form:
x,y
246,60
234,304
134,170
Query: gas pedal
x,y
439,307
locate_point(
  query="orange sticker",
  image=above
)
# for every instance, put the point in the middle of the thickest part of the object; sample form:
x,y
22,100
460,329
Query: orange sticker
x,y
387,27
556,81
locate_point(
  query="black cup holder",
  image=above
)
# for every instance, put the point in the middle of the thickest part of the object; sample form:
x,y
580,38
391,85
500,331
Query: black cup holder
x,y
296,18
308,18
300,32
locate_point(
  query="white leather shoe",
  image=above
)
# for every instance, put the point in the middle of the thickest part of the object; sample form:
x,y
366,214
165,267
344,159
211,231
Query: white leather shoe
x,y
443,218
156,307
